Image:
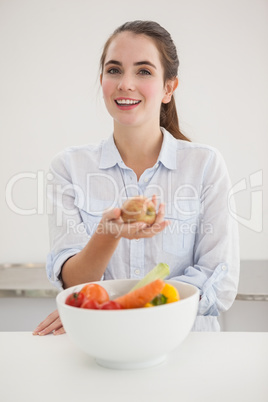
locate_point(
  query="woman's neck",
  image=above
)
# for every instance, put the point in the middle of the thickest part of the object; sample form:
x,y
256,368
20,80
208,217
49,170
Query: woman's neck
x,y
139,148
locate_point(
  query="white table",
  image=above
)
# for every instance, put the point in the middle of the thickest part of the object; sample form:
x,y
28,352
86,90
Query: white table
x,y
227,366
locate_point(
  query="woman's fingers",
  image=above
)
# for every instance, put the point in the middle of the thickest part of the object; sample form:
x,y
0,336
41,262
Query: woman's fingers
x,y
158,226
112,223
50,318
127,230
154,200
160,214
59,331
54,326
132,230
151,231
50,324
111,214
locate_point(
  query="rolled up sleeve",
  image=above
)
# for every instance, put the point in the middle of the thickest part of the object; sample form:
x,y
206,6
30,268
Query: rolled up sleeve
x,y
54,265
67,232
215,271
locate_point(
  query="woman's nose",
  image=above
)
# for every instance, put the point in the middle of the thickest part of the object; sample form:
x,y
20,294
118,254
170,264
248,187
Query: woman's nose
x,y
126,83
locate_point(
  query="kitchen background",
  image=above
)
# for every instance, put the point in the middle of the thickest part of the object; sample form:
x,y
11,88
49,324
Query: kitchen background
x,y
50,98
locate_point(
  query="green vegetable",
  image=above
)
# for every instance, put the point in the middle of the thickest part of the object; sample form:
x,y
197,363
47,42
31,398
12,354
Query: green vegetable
x,y
160,271
159,299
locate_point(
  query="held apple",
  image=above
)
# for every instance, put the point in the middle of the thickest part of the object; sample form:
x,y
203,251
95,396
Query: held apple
x,y
138,209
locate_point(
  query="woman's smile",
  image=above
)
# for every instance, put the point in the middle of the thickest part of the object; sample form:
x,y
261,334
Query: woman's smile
x,y
127,103
132,81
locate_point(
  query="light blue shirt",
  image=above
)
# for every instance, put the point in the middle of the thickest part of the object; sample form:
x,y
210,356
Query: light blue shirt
x,y
200,245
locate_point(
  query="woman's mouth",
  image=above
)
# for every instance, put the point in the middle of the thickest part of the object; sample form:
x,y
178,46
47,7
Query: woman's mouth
x,y
126,103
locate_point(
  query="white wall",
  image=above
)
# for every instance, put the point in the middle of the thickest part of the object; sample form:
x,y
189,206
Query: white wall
x,y
49,97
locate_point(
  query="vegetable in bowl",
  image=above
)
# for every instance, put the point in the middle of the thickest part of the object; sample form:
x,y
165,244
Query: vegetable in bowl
x,y
154,293
126,338
148,292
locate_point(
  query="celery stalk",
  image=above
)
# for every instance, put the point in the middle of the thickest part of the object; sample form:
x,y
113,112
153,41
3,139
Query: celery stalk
x,y
160,271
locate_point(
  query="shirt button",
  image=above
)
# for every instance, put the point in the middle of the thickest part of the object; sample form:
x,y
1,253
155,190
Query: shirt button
x,y
137,239
137,271
156,166
224,267
146,180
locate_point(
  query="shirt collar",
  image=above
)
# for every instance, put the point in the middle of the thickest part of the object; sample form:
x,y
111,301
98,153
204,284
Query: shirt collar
x,y
168,152
110,155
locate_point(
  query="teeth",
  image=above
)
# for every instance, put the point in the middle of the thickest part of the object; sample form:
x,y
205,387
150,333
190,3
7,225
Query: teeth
x,y
126,102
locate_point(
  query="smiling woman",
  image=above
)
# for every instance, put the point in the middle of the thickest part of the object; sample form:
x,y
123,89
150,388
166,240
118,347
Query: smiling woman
x,y
163,51
149,156
130,83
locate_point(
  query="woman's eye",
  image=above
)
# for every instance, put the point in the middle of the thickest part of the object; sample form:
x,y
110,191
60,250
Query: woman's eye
x,y
144,72
113,71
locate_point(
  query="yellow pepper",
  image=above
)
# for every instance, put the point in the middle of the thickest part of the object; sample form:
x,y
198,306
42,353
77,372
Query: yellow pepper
x,y
171,293
148,305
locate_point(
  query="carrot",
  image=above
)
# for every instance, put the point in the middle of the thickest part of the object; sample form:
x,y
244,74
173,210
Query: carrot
x,y
139,297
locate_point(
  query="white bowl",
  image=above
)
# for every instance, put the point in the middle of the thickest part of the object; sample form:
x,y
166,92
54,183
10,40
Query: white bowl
x,y
133,338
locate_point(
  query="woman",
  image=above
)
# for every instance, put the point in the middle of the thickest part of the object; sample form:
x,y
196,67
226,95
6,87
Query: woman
x,y
147,154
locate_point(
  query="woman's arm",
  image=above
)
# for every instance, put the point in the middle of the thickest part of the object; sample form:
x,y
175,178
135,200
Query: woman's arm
x,y
90,263
215,269
82,242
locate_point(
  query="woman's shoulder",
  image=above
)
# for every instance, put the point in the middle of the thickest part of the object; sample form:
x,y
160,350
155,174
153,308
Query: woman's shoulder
x,y
196,155
76,155
78,151
199,150
192,146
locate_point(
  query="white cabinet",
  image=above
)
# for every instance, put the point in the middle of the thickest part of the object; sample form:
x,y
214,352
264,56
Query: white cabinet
x,y
24,313
26,296
249,311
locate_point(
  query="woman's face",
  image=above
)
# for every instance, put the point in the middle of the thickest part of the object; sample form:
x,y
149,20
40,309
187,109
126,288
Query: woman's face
x,y
132,80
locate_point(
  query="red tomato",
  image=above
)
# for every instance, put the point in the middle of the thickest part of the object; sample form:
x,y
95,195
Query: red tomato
x,y
110,305
91,304
93,291
75,299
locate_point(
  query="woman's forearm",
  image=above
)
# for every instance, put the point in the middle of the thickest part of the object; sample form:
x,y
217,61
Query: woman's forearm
x,y
90,263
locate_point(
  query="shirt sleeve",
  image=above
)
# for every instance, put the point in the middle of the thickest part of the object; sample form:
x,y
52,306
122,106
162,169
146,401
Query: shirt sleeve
x,y
67,232
216,260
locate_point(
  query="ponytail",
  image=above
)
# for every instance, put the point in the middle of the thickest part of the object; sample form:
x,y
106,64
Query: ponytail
x,y
169,119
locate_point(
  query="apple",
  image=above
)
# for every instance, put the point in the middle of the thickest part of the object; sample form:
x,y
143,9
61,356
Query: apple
x,y
138,209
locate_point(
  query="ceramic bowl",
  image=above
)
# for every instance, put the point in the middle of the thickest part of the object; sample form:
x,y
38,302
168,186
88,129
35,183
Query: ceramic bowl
x,y
133,338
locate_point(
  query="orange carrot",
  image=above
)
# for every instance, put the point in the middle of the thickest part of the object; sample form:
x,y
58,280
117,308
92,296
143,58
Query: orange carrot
x,y
139,297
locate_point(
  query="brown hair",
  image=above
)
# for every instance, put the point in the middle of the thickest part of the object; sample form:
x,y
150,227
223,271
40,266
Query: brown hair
x,y
170,62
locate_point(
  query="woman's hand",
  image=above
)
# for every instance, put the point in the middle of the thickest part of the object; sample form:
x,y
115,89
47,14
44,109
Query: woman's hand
x,y
51,324
113,224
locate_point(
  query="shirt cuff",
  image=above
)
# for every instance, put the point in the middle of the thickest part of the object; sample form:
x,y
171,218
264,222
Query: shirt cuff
x,y
54,265
209,302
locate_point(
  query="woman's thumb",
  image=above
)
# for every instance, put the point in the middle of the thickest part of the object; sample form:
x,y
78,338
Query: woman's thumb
x,y
112,214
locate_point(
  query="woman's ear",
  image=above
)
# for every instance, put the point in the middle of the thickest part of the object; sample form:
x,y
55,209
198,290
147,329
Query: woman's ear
x,y
101,79
170,87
